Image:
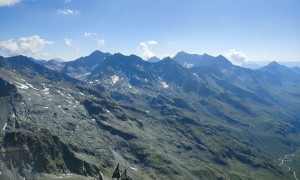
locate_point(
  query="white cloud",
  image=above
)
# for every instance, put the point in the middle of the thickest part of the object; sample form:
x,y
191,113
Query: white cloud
x,y
147,52
67,11
100,42
47,55
88,34
8,2
126,52
143,44
29,46
67,1
152,42
33,44
172,43
237,57
69,42
9,46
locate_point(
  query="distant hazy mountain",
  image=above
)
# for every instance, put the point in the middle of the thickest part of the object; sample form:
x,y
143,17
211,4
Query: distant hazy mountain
x,y
290,64
54,64
257,65
252,65
153,59
191,60
58,60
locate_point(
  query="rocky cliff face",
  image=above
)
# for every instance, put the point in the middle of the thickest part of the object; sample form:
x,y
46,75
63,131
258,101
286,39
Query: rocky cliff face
x,y
41,152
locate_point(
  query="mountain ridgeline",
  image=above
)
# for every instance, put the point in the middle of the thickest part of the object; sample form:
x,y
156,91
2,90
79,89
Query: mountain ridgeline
x,y
186,117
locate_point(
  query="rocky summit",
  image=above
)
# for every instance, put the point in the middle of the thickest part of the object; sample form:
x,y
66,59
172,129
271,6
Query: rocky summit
x,y
187,117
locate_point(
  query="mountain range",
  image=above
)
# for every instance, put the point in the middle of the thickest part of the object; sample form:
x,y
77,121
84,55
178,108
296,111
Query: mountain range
x,y
186,117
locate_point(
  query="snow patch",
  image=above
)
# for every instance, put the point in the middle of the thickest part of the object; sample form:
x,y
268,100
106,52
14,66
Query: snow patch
x,y
4,127
45,89
115,79
164,84
188,65
133,168
31,86
83,75
196,75
22,86
60,93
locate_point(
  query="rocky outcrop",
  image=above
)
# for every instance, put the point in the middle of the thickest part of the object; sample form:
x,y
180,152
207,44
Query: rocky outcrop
x,y
6,88
42,153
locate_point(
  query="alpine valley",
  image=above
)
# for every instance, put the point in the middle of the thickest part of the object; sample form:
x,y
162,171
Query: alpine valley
x,y
186,117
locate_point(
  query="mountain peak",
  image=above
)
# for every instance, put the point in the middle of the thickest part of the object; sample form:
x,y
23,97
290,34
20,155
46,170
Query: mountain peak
x,y
191,60
221,61
85,64
98,53
275,67
167,59
153,59
206,55
57,60
182,52
274,64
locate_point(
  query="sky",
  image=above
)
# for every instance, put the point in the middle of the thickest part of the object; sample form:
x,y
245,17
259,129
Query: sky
x,y
241,30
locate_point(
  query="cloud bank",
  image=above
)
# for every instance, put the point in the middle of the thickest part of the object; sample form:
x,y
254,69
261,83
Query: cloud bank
x,y
69,42
88,34
8,2
68,11
237,57
29,46
100,42
145,46
152,42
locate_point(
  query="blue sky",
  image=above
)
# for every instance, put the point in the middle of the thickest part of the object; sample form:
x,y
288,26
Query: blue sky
x,y
256,30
